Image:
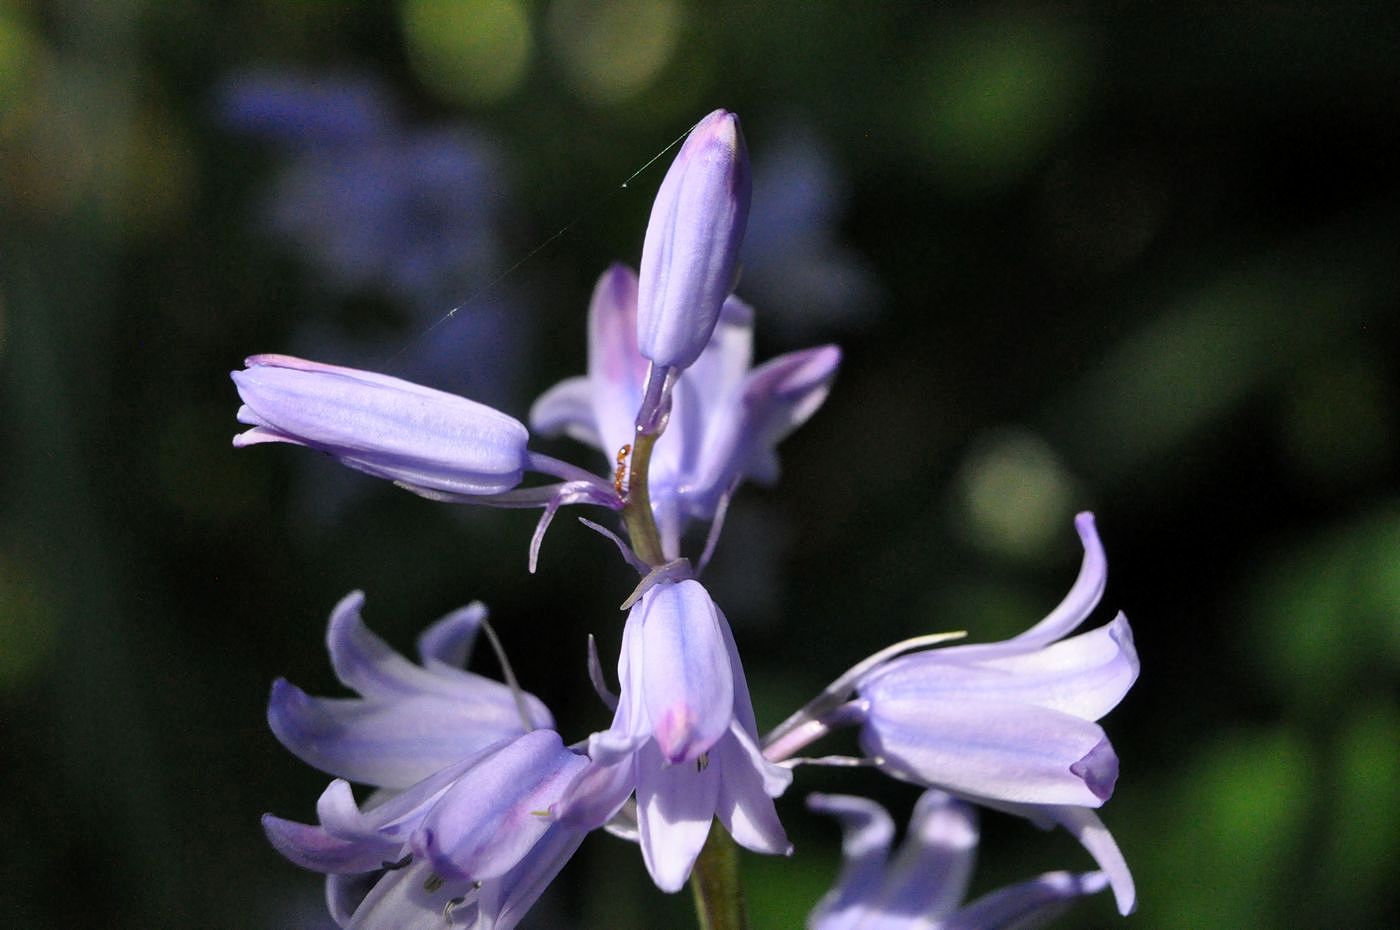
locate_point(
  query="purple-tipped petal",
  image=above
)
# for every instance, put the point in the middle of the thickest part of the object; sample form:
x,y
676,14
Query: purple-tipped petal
x,y
675,806
986,749
692,241
687,681
422,439
1026,905
494,814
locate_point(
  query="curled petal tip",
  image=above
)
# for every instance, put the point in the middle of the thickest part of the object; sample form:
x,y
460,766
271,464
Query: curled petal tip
x,y
1099,770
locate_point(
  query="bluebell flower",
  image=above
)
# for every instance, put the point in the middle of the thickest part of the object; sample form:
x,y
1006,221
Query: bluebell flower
x,y
456,835
923,886
670,344
726,419
683,737
1009,725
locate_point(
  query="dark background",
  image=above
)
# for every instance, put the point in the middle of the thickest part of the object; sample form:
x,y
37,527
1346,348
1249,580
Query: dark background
x,y
1135,261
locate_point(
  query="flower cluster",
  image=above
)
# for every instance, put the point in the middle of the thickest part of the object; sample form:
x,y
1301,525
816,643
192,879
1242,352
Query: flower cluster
x,y
479,802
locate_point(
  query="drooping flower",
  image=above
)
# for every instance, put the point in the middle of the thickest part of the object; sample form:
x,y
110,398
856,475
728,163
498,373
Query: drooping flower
x,y
429,442
683,738
922,887
1008,725
465,767
726,419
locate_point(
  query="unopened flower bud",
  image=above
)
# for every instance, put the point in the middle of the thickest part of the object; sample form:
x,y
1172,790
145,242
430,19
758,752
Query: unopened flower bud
x,y
691,249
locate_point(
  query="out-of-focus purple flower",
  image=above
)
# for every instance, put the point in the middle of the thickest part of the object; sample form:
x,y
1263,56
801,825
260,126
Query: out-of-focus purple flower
x,y
692,241
371,204
421,439
683,737
456,835
306,111
1009,725
726,419
924,884
794,264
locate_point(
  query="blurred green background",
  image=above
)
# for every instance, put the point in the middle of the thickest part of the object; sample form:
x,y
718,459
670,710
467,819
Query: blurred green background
x,y
1137,261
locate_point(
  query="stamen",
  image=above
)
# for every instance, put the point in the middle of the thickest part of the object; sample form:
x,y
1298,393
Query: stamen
x,y
620,474
433,883
508,674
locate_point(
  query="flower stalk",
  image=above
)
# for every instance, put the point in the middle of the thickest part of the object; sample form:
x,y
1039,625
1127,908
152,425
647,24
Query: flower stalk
x,y
636,512
719,898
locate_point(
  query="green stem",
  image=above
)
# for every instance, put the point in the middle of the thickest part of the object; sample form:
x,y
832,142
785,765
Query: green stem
x,y
636,514
719,899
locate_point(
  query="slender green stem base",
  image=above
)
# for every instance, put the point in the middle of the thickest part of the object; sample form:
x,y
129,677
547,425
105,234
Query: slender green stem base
x,y
636,514
719,899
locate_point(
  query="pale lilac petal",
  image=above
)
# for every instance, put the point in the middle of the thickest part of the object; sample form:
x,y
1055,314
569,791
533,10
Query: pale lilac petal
x,y
777,397
616,370
400,901
313,848
675,807
1010,752
394,818
596,794
748,784
495,812
567,410
930,874
1083,596
1088,829
420,438
692,241
366,663
687,682
866,834
390,744
1085,675
448,643
775,778
344,893
1026,905
504,903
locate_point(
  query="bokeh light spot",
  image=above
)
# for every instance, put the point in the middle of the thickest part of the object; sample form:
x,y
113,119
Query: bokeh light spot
x,y
27,631
613,49
1014,494
998,92
469,51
